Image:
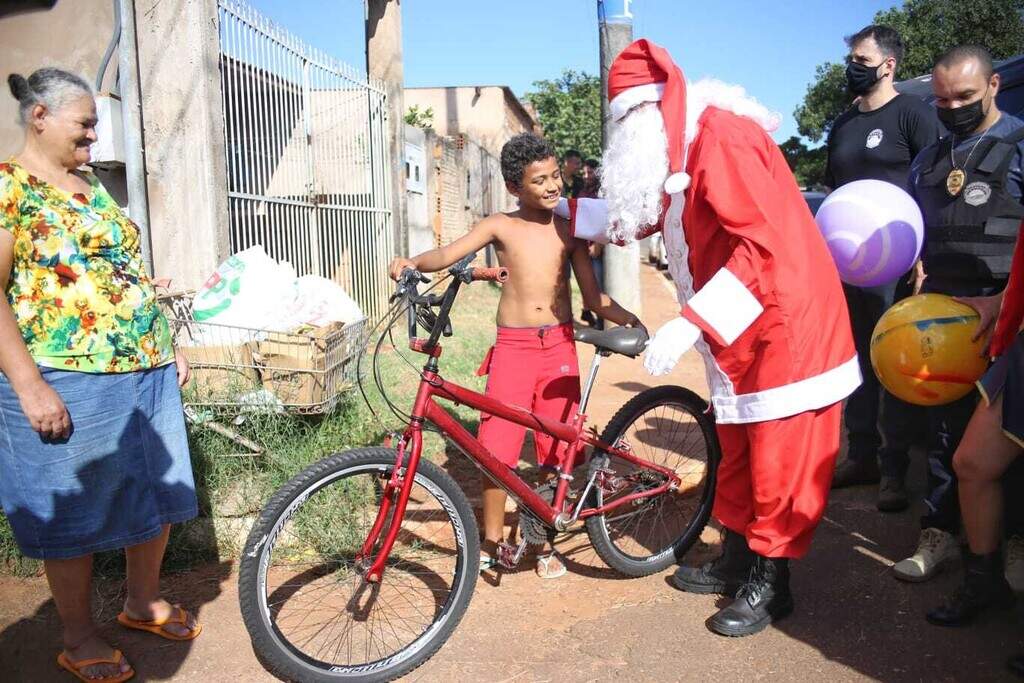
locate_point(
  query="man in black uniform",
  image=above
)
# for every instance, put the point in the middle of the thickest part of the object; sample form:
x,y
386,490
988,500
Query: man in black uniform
x,y
572,182
969,187
876,138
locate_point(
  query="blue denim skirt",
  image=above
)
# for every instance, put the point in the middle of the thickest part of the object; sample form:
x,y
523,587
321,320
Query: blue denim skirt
x,y
1006,377
123,473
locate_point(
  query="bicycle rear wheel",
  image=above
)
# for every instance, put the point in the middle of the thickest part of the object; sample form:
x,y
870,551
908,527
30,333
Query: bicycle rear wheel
x,y
309,611
667,426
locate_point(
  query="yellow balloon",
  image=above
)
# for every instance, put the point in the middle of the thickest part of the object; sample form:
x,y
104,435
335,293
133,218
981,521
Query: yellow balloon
x,y
922,351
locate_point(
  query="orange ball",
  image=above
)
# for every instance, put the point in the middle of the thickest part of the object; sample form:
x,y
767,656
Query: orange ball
x,y
922,351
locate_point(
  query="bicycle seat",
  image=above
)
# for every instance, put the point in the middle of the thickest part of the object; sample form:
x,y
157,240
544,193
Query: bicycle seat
x,y
628,341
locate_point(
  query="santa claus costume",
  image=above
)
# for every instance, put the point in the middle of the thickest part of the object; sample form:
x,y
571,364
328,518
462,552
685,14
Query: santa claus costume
x,y
761,301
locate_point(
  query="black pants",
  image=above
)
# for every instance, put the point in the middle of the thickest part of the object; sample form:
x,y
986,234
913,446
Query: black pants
x,y
878,424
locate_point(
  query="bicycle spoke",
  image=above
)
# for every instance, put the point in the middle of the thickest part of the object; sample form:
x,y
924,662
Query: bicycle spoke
x,y
315,592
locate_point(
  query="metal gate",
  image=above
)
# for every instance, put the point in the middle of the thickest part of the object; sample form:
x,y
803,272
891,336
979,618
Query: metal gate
x,y
307,156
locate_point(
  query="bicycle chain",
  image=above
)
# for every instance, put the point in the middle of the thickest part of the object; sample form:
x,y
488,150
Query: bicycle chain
x,y
532,529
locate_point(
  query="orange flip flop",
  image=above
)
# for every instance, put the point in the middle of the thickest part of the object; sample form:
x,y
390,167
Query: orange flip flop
x,y
178,616
75,668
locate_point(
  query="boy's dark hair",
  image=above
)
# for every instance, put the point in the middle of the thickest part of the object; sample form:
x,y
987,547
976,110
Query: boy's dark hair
x,y
573,154
520,152
592,163
888,40
962,53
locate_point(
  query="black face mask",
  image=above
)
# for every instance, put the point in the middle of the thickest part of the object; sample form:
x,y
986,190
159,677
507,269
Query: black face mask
x,y
962,120
860,78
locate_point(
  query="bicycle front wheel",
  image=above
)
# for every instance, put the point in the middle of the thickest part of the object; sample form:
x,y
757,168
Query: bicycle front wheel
x,y
308,609
667,426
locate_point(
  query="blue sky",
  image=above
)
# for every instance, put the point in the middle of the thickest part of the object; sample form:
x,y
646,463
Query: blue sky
x,y
770,48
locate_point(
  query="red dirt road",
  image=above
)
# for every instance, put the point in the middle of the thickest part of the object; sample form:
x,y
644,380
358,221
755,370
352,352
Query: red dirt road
x,y
853,620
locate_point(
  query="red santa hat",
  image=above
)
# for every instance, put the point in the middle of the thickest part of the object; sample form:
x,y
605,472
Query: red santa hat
x,y
644,72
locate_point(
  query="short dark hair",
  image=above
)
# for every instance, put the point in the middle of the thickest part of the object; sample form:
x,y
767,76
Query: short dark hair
x,y
572,153
962,53
520,152
888,40
592,163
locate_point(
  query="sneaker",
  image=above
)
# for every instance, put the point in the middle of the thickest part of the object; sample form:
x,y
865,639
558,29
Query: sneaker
x,y
1015,563
935,549
856,473
892,495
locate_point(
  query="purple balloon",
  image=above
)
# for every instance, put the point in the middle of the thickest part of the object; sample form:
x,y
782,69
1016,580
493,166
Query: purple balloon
x,y
874,230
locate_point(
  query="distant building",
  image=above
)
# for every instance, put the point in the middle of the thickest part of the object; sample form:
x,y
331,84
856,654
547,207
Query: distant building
x,y
487,114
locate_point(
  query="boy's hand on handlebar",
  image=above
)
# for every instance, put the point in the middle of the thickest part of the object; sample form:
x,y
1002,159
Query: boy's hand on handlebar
x,y
398,265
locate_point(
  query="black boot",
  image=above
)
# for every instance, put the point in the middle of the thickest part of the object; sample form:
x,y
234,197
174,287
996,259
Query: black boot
x,y
984,586
724,575
764,598
1016,665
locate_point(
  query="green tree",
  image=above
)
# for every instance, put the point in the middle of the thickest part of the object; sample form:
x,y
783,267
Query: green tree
x,y
808,165
421,118
928,28
569,109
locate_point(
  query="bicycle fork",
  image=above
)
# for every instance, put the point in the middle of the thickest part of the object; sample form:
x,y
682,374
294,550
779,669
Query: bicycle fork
x,y
398,486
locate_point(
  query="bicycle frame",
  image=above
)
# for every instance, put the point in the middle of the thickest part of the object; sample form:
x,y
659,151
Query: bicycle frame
x,y
432,388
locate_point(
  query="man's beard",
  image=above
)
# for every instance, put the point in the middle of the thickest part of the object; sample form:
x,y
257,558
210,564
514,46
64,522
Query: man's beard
x,y
633,172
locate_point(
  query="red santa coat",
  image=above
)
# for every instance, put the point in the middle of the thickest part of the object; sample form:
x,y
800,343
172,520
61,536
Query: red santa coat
x,y
753,272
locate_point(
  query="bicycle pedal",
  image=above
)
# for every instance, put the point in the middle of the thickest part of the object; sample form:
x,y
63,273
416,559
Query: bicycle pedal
x,y
509,555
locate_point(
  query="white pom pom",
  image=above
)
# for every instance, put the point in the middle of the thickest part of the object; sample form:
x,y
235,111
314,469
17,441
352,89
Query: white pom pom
x,y
677,182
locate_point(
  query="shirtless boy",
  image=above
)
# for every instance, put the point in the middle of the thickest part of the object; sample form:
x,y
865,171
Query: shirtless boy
x,y
533,361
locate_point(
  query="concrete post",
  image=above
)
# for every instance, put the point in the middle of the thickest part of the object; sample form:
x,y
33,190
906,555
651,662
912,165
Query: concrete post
x,y
384,61
186,167
621,264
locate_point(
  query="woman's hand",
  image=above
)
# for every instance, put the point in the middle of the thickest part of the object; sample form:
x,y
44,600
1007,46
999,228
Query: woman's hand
x,y
45,410
184,371
988,310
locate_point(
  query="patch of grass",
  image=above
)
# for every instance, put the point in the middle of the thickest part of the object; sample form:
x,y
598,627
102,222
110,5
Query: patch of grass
x,y
240,486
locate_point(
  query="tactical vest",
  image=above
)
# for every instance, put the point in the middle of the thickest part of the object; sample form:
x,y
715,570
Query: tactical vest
x,y
969,238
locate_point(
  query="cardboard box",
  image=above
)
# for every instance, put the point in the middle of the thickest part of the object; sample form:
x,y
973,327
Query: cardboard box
x,y
294,368
221,372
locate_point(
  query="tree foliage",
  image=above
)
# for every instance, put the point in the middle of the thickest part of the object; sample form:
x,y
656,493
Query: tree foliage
x,y
928,28
421,118
808,165
569,109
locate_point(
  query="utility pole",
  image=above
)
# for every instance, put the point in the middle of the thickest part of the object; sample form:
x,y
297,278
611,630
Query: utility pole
x,y
621,264
384,61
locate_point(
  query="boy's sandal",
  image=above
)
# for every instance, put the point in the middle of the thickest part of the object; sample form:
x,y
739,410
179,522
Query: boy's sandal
x,y
487,562
75,668
545,569
177,616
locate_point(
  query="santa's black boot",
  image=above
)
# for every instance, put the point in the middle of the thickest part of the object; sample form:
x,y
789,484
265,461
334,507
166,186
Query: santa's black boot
x,y
760,601
723,575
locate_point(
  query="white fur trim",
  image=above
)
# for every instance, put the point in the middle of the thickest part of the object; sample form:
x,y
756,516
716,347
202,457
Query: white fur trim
x,y
726,305
676,183
631,97
812,393
710,92
591,220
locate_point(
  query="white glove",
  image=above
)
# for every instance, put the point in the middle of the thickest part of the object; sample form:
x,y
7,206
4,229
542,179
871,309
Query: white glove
x,y
670,342
562,209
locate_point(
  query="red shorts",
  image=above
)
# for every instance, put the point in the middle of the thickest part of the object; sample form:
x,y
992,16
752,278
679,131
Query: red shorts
x,y
534,368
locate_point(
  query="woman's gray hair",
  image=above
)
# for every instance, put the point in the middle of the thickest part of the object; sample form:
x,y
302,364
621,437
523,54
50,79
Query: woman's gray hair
x,y
50,87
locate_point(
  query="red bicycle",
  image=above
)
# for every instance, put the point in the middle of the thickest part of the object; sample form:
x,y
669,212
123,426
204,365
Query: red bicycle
x,y
361,566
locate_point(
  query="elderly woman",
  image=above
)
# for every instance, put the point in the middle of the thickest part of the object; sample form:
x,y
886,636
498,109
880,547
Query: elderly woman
x,y
93,451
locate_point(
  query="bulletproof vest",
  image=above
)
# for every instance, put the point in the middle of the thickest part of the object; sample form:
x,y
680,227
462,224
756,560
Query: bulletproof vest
x,y
969,238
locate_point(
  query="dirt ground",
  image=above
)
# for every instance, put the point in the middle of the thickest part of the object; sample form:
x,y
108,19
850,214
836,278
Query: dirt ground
x,y
853,620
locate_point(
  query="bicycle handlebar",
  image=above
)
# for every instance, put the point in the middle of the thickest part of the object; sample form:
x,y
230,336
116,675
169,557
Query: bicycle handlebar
x,y
488,274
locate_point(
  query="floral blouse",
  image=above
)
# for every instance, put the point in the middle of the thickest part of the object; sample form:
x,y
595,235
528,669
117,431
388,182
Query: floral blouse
x,y
78,286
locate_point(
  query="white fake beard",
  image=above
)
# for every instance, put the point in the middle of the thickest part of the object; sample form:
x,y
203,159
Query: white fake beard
x,y
633,172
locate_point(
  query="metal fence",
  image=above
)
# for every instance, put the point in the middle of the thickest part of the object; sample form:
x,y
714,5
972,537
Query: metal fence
x,y
307,156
